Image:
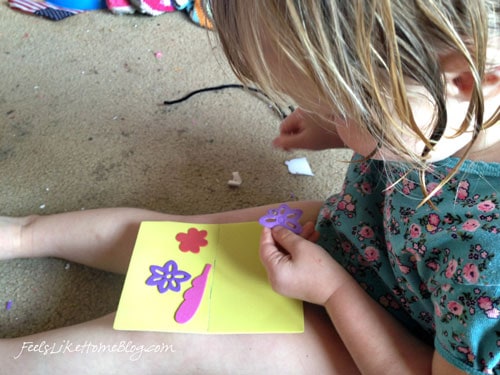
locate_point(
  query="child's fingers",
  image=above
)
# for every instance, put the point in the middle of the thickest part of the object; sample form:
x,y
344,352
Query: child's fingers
x,y
286,239
288,141
314,237
290,132
270,254
309,231
277,262
290,127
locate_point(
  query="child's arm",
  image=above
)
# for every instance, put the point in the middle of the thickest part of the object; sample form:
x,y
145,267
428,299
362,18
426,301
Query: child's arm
x,y
302,130
377,342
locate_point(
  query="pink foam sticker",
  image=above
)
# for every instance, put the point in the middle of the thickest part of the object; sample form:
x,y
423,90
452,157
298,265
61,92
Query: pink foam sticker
x,y
192,241
192,297
283,216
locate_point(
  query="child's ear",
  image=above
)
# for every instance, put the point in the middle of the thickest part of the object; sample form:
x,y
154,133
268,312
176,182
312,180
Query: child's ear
x,y
491,83
460,84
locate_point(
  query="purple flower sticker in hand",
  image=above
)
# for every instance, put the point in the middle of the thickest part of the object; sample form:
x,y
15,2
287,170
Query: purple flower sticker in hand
x,y
168,277
283,216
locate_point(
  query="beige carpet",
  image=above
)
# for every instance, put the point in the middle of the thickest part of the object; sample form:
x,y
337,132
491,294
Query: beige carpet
x,y
83,126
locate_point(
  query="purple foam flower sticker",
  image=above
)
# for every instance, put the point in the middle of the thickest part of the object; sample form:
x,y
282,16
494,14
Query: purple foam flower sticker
x,y
168,277
283,216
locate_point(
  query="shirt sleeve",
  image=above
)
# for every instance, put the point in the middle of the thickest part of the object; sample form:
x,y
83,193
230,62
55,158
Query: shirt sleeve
x,y
467,304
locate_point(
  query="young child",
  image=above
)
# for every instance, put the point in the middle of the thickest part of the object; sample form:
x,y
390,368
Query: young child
x,y
405,259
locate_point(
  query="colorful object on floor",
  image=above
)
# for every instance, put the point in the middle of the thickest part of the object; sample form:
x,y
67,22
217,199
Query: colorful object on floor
x,y
120,6
43,9
231,293
198,10
80,4
153,7
8,305
56,10
283,216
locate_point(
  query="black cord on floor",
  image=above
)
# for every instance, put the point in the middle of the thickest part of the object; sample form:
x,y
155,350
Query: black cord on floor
x,y
276,107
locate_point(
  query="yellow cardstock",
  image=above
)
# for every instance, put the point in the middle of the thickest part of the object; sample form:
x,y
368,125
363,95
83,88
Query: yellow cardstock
x,y
237,297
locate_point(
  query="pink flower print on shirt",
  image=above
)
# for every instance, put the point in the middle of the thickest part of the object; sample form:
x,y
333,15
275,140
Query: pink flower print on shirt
x,y
446,287
389,301
416,257
415,231
433,221
347,205
403,268
486,304
366,188
408,186
463,190
468,352
371,254
364,168
437,310
455,308
365,232
433,265
430,188
486,206
471,273
326,213
471,225
451,269
346,246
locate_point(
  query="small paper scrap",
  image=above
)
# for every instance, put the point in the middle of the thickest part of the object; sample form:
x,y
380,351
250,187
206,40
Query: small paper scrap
x,y
299,166
236,181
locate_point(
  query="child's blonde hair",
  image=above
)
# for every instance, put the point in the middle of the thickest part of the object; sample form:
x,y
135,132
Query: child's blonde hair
x,y
364,56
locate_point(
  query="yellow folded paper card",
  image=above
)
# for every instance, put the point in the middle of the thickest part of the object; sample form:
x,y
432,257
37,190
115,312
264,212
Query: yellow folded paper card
x,y
202,278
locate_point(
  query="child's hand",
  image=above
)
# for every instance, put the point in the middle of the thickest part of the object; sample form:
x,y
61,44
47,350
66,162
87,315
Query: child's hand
x,y
299,268
301,130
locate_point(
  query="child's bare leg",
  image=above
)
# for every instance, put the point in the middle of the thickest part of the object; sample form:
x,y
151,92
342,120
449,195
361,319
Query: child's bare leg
x,y
104,238
317,351
10,236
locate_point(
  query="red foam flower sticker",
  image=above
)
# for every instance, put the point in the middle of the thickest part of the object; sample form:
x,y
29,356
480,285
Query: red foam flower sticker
x,y
192,241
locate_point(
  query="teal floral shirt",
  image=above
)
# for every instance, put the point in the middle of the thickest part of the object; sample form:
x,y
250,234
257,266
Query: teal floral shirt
x,y
437,270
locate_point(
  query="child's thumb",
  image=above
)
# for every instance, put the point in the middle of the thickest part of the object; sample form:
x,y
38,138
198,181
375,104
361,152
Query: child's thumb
x,y
269,253
288,240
